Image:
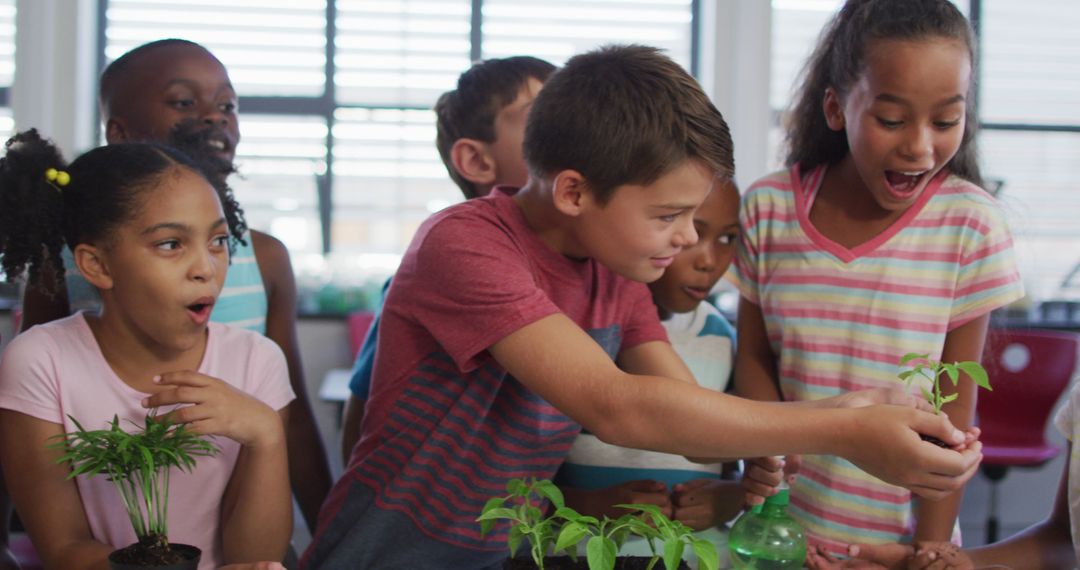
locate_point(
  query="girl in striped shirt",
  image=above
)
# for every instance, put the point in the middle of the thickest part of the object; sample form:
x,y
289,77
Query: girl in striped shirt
x,y
876,241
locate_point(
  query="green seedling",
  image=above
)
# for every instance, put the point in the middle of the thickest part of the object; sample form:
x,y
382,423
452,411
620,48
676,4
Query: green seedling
x,y
565,529
138,463
920,366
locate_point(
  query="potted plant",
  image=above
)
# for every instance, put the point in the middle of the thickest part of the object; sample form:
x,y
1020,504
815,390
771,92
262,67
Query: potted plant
x,y
920,366
564,529
138,463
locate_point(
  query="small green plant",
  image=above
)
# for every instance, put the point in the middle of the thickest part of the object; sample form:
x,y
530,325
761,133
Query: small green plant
x,y
138,464
565,528
920,366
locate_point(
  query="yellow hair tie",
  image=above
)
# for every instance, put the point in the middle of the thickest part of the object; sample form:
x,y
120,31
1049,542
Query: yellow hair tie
x,y
60,177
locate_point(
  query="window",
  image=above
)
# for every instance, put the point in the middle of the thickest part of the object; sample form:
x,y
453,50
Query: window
x,y
7,63
338,156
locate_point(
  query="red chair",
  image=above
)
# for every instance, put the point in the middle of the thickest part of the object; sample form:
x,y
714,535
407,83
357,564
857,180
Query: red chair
x,y
359,322
1029,370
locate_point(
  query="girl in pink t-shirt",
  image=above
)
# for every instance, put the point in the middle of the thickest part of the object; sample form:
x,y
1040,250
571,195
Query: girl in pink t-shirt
x,y
148,231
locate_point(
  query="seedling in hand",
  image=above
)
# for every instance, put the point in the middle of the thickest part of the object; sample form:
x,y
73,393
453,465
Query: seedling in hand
x,y
920,366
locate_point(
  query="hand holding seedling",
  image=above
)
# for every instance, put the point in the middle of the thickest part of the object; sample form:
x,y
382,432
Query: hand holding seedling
x,y
705,503
218,409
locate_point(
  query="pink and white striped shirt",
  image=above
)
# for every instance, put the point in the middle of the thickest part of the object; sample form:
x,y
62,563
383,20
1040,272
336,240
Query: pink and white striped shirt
x,y
840,319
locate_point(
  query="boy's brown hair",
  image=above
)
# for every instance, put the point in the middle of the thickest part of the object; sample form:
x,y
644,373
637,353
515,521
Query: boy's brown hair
x,y
624,115
482,91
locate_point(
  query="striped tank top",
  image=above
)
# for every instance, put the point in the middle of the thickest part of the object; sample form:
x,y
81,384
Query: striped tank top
x,y
242,302
840,319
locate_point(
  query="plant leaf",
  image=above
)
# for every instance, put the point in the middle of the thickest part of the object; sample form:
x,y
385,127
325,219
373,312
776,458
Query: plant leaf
x,y
950,370
600,553
673,550
949,398
549,491
497,513
708,557
517,534
976,372
913,356
570,535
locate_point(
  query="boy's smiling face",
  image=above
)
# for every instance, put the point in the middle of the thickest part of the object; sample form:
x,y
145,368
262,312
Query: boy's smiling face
x,y
641,228
172,85
695,271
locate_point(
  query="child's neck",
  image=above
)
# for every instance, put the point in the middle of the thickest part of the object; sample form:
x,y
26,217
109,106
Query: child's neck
x,y
135,357
548,223
844,210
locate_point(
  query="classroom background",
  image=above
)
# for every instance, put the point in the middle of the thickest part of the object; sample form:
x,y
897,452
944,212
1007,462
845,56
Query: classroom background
x,y
338,161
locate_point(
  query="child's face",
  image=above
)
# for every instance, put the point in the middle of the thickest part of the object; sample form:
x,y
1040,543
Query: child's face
x,y
168,263
507,151
173,85
641,229
904,117
690,278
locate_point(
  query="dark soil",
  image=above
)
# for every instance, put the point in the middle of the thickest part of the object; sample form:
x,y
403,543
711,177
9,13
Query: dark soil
x,y
151,553
566,563
935,441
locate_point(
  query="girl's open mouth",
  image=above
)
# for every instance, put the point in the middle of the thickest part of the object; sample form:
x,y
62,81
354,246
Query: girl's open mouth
x,y
903,185
200,311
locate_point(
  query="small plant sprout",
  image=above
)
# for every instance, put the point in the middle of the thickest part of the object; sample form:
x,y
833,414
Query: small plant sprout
x,y
138,463
920,366
565,528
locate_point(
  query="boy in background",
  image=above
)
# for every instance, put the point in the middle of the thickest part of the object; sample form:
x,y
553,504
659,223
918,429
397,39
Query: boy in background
x,y
479,129
597,476
517,319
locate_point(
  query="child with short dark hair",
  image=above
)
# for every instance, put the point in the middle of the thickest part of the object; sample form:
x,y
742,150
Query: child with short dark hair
x,y
176,92
479,127
597,476
875,243
517,319
147,229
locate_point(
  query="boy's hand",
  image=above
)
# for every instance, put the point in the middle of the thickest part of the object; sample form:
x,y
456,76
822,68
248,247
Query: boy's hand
x,y
217,409
884,441
940,556
707,502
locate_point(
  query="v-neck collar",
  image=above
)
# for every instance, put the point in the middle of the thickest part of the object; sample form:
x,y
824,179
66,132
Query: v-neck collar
x,y
806,191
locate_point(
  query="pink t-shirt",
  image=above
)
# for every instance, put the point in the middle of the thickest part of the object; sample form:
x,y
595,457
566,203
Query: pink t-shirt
x,y
57,370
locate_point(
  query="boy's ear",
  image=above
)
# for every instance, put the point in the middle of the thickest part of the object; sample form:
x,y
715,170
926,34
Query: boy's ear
x,y
92,265
115,130
570,192
473,162
833,109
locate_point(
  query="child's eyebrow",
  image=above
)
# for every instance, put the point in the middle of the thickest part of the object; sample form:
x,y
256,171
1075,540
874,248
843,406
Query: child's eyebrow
x,y
890,98
167,226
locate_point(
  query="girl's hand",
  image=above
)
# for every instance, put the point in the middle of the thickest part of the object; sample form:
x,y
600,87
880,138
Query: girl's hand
x,y
940,556
761,478
217,409
707,502
892,395
862,557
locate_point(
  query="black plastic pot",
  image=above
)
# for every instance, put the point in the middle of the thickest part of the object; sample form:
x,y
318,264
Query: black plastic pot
x,y
190,553
566,563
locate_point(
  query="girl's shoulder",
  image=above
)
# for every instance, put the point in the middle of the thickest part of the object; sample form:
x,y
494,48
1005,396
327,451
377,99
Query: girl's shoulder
x,y
961,196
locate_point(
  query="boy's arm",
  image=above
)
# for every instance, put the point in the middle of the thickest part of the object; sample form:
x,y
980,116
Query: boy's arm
x,y
309,468
47,501
560,362
934,520
655,358
755,364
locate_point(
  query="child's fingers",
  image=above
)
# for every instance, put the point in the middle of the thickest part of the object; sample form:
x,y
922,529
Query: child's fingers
x,y
184,378
182,395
